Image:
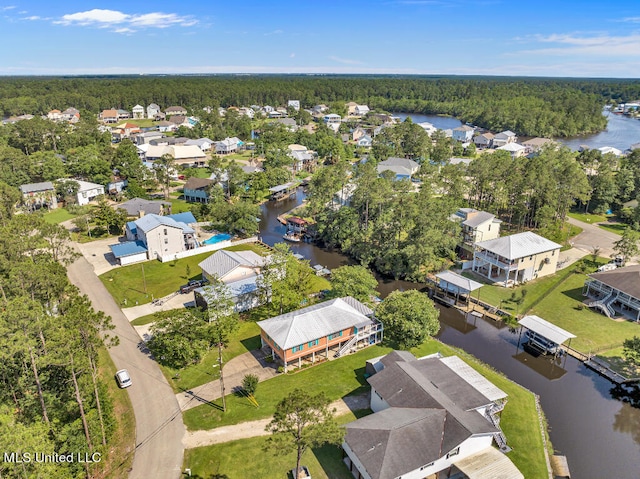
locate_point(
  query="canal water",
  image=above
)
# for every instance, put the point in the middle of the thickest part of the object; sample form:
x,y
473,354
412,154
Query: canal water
x,y
621,131
599,435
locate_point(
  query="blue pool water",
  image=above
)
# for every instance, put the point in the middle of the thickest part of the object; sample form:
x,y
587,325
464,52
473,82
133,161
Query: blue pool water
x,y
217,238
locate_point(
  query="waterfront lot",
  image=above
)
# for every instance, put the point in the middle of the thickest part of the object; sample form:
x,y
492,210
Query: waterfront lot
x,y
340,378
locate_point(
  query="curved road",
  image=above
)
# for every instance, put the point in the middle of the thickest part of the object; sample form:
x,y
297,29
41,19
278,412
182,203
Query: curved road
x,y
159,426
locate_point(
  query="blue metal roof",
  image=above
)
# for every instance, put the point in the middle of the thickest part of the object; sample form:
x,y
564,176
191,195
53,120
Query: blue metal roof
x,y
131,226
129,248
186,217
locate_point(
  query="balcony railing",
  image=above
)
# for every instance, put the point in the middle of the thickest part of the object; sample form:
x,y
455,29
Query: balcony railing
x,y
494,259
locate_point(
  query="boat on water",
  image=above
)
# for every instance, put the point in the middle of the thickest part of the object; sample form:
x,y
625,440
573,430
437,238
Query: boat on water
x,y
293,237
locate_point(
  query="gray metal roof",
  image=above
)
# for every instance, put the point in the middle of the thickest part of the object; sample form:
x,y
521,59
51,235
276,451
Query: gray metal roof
x,y
546,329
518,245
460,282
474,378
223,262
134,206
314,322
403,162
625,279
35,187
479,218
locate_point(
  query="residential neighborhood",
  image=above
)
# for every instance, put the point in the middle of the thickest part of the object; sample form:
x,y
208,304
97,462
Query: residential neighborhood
x,y
254,252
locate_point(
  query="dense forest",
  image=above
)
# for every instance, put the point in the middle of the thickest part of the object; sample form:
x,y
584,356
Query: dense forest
x,y
528,106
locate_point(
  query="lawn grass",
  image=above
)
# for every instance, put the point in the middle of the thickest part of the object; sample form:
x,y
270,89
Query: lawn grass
x,y
58,216
117,461
595,332
161,279
178,206
605,222
342,377
247,458
588,217
246,338
616,228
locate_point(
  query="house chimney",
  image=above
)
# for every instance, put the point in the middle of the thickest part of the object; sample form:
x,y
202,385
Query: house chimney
x,y
140,213
471,214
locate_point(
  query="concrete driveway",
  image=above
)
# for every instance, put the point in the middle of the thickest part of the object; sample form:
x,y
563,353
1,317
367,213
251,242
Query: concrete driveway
x,y
99,255
159,426
593,236
251,362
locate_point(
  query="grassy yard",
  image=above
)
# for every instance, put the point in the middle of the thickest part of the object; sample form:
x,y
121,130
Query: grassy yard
x,y
178,206
343,377
160,279
247,338
231,459
617,228
58,216
588,217
605,222
595,332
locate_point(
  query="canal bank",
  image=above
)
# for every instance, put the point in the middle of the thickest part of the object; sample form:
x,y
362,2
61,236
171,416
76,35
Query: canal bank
x,y
600,435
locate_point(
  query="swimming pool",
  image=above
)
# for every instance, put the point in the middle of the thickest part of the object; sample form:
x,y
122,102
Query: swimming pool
x,y
217,238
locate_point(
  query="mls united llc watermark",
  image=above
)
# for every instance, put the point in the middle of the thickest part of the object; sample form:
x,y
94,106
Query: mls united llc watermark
x,y
53,458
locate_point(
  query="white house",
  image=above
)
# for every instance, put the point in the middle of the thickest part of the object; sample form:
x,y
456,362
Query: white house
x,y
433,417
365,141
476,226
138,112
402,167
88,192
152,111
204,144
516,258
295,104
504,138
516,150
163,235
484,140
332,118
463,133
226,146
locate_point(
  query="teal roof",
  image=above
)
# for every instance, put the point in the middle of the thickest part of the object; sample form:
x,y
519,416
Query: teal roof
x,y
129,248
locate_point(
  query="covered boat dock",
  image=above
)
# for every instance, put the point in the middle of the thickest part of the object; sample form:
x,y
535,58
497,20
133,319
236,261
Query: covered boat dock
x,y
543,336
455,290
282,192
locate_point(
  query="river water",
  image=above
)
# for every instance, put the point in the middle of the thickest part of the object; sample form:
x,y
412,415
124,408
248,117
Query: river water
x,y
621,131
599,435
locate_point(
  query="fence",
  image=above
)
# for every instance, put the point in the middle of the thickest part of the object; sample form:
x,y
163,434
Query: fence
x,y
207,249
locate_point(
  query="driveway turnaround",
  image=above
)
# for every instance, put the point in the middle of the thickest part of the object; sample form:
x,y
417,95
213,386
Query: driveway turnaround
x,y
159,425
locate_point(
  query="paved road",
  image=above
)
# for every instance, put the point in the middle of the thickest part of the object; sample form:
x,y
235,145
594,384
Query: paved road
x,y
593,235
159,425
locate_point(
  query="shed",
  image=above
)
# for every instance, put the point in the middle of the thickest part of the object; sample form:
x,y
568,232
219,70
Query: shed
x,y
129,252
543,335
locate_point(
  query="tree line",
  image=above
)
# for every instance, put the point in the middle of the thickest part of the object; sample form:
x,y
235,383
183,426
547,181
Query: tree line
x,y
52,398
528,106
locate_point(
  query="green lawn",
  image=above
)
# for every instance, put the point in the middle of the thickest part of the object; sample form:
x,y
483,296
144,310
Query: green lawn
x,y
247,338
58,215
343,377
178,206
160,279
247,458
603,221
595,332
617,228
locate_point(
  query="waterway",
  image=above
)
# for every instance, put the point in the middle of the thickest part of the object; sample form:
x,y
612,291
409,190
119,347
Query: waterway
x,y
599,435
621,132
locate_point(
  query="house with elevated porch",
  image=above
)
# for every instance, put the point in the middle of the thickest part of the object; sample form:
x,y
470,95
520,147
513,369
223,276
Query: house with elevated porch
x,y
434,417
320,332
516,259
615,293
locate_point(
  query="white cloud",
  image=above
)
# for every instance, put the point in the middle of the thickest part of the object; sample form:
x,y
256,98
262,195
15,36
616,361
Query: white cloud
x,y
345,61
631,20
275,32
597,45
123,22
10,7
33,17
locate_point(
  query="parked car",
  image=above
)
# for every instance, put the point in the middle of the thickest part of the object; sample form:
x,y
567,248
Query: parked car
x,y
123,379
607,267
193,284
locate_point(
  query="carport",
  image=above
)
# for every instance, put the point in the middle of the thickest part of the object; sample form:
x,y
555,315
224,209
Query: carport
x,y
452,286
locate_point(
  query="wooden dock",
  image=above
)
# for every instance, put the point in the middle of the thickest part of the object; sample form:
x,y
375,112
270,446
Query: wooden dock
x,y
604,370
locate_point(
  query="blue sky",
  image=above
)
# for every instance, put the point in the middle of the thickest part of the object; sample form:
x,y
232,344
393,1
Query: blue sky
x,y
488,37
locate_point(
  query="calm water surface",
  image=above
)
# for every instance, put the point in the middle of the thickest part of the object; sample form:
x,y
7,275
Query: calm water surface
x,y
621,132
599,435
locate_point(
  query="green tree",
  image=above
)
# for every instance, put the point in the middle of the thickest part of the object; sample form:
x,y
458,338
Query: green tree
x,y
631,350
250,383
628,245
409,317
111,218
300,422
355,281
9,197
178,340
164,168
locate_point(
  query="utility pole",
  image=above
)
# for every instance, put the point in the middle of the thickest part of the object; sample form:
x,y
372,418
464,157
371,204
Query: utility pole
x,y
144,280
224,403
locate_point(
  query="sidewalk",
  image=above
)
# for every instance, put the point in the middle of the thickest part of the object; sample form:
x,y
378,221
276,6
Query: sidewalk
x,y
251,362
249,429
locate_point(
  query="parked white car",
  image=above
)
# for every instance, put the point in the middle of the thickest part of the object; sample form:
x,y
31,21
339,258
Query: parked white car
x,y
123,379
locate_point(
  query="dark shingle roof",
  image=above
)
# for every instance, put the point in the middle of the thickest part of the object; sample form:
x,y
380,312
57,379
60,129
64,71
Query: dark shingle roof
x,y
625,279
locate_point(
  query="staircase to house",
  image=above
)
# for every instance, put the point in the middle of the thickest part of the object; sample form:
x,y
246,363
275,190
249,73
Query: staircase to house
x,y
347,346
604,305
492,416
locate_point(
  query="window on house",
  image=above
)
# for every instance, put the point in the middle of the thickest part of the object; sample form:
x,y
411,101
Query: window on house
x,y
166,241
531,257
553,253
426,465
454,452
313,343
165,232
489,228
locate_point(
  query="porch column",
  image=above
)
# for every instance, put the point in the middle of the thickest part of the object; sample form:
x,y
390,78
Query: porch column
x,y
326,349
313,357
299,362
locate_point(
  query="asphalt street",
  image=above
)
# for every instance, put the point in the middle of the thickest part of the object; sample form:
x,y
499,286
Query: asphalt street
x,y
159,426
